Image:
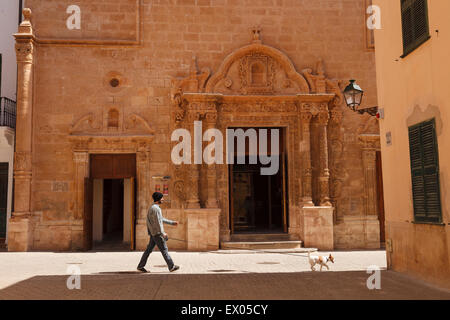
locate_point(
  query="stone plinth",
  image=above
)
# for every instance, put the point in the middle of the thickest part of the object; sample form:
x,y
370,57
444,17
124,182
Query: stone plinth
x,y
20,234
358,232
142,237
202,230
177,234
318,227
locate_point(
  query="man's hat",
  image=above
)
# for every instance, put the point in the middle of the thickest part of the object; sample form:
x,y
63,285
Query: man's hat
x,y
157,196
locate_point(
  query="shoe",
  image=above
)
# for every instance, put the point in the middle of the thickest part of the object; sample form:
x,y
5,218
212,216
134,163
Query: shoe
x,y
175,268
143,270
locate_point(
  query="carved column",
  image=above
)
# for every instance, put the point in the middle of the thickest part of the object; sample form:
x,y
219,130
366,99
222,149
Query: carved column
x,y
336,169
211,202
306,117
193,197
371,226
370,145
23,156
324,179
370,180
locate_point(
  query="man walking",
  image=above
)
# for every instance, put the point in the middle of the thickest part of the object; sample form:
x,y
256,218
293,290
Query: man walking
x,y
157,235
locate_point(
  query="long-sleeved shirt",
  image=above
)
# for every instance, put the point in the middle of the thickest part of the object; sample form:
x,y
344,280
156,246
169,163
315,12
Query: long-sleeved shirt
x,y
155,221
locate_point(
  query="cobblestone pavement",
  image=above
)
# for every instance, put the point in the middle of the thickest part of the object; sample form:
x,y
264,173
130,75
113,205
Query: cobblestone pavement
x,y
218,275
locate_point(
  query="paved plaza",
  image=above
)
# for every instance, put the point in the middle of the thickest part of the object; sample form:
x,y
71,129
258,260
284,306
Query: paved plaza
x,y
221,275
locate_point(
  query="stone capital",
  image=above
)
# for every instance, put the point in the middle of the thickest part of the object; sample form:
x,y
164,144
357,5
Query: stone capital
x,y
306,117
211,118
336,116
81,157
323,117
194,116
24,52
22,161
370,141
142,157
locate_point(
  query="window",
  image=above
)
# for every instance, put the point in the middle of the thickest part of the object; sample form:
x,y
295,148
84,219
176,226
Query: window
x,y
425,172
414,24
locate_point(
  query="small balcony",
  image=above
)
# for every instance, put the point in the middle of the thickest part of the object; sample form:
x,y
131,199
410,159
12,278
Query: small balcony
x,y
7,113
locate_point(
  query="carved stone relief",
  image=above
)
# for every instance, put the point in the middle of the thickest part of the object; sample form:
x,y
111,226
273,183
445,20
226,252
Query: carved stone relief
x,y
257,74
111,123
258,86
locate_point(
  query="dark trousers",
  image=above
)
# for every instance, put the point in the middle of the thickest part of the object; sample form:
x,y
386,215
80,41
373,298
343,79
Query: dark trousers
x,y
162,245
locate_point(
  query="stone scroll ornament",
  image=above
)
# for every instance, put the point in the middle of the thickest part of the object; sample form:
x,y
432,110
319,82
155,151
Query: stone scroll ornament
x,y
319,83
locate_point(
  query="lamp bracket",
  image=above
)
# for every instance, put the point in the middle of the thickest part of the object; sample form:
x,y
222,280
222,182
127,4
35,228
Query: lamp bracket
x,y
372,111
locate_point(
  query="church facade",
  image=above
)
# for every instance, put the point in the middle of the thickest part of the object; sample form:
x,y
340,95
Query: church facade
x,y
103,86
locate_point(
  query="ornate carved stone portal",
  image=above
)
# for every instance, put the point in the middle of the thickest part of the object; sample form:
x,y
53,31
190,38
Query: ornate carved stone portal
x,y
258,86
107,134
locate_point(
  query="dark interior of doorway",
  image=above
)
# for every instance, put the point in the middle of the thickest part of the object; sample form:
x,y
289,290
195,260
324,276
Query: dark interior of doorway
x,y
113,210
113,215
3,199
257,200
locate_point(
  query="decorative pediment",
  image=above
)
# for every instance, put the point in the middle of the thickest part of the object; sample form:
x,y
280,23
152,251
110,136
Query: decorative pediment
x,y
257,70
86,124
111,124
136,124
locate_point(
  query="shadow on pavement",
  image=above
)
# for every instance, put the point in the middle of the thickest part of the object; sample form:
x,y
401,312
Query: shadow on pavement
x,y
252,286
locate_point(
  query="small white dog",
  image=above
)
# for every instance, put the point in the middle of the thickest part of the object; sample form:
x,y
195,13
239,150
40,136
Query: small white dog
x,y
320,260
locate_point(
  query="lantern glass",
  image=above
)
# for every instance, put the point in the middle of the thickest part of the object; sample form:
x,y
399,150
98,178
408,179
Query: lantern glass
x,y
353,95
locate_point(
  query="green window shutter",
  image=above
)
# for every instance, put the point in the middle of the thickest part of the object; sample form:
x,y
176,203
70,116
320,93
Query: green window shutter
x,y
418,183
415,26
431,171
407,25
425,172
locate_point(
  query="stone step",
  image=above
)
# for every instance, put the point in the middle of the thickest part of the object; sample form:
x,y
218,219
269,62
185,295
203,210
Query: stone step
x,y
254,245
263,237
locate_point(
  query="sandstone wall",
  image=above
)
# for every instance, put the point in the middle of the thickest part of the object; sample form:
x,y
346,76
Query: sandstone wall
x,y
145,44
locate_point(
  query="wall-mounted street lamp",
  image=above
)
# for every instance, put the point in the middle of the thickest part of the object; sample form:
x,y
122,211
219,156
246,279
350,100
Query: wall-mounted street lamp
x,y
353,97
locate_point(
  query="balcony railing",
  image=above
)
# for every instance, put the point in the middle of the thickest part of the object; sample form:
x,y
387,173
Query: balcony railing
x,y
7,113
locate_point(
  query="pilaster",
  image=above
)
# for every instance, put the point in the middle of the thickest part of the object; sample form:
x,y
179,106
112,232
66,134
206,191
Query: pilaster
x,y
21,223
324,179
306,117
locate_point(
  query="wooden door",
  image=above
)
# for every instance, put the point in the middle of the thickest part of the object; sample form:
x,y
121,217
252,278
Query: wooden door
x,y
3,198
381,214
283,167
113,166
231,196
133,213
88,214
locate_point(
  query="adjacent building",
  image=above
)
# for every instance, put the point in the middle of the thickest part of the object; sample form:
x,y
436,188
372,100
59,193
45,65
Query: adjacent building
x,y
412,50
103,85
